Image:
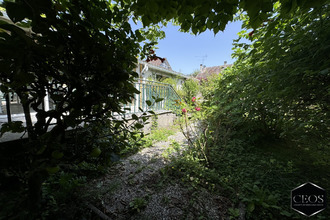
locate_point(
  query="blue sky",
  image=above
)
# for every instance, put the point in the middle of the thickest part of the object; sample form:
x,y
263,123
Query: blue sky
x,y
185,52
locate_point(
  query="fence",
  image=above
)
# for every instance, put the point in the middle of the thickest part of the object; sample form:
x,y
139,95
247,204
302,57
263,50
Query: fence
x,y
150,91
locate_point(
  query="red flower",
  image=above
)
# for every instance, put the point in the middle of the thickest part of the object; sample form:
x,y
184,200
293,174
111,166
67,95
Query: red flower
x,y
197,108
184,110
193,99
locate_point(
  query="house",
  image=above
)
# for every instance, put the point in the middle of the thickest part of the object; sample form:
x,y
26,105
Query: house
x,y
151,74
206,72
154,70
158,70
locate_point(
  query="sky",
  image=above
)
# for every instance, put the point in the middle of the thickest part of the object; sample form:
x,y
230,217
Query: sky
x,y
185,52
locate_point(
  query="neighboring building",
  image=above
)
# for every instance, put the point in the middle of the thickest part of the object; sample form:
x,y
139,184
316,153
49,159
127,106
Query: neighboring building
x,y
206,72
157,70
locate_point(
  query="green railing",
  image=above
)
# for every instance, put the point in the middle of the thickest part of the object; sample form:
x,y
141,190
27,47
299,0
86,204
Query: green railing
x,y
151,90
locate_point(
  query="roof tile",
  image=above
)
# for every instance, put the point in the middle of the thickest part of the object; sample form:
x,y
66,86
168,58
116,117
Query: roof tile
x,y
208,71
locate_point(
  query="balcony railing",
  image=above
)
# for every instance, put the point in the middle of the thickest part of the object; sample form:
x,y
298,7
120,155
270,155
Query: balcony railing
x,y
152,90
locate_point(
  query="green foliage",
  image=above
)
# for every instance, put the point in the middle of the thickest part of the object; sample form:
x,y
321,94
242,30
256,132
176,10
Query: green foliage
x,y
160,134
277,86
190,89
64,169
195,73
136,143
14,126
191,167
138,204
82,54
170,81
262,176
61,193
266,127
71,54
234,213
175,145
192,171
197,16
173,148
154,122
143,141
263,200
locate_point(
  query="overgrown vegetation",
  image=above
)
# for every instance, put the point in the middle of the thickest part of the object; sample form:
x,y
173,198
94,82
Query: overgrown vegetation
x,y
82,54
265,125
272,105
142,141
190,89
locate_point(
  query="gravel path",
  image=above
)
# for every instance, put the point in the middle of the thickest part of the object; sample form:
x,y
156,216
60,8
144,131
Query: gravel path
x,y
136,190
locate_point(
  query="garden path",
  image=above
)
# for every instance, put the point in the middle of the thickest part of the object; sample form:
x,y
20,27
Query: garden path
x,y
137,189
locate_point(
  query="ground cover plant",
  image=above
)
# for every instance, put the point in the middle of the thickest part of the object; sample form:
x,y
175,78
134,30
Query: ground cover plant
x,y
142,141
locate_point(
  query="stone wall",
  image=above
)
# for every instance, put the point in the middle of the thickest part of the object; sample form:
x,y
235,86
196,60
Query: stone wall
x,y
164,120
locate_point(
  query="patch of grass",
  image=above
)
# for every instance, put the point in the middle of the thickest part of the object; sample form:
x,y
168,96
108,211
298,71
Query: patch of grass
x,y
233,213
153,160
138,142
135,162
139,170
166,200
131,176
137,204
310,161
174,147
262,176
160,134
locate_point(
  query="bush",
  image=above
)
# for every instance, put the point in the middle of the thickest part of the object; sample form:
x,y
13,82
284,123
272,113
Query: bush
x,y
190,89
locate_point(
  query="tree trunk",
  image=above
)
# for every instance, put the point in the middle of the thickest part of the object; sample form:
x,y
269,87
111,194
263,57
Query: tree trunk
x,y
8,107
28,120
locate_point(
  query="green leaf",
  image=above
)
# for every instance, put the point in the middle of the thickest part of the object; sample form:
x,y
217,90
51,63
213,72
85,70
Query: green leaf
x,y
52,170
135,117
286,213
138,125
250,207
146,21
15,127
118,124
57,154
149,103
17,12
159,99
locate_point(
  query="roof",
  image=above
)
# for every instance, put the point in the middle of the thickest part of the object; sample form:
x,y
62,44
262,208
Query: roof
x,y
165,67
208,71
161,63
